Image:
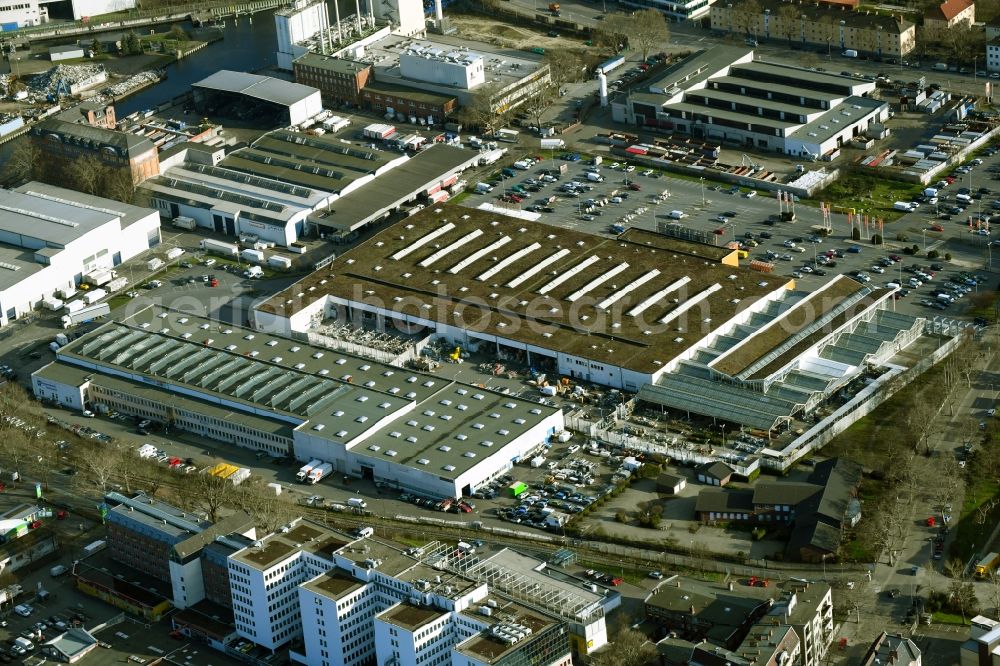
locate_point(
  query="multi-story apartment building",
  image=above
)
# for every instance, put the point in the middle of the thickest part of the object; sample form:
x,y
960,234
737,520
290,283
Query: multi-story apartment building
x,y
949,14
993,55
808,609
835,27
122,151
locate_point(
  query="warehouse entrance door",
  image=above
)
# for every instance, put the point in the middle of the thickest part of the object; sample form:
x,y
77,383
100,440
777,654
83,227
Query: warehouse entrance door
x,y
367,472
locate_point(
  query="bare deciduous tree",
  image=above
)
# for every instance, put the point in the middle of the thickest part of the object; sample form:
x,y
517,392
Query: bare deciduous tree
x,y
210,493
630,648
649,31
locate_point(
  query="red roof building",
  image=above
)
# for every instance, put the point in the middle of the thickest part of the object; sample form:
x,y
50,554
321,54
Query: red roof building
x,y
949,14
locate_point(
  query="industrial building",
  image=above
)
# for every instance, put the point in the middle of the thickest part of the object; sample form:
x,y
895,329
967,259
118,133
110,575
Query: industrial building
x,y
64,141
337,599
673,320
260,98
833,25
285,397
288,184
50,237
723,94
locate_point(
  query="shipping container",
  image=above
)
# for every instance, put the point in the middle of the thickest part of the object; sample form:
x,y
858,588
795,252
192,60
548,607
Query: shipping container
x,y
253,255
379,131
278,261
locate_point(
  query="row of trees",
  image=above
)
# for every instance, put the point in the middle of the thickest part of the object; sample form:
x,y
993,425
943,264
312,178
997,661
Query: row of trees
x,y
98,467
85,173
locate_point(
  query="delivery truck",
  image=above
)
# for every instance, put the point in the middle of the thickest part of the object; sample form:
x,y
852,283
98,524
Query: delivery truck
x,y
95,547
357,503
553,144
305,469
52,303
99,278
218,247
850,53
182,222
318,473
904,206
987,565
277,261
677,215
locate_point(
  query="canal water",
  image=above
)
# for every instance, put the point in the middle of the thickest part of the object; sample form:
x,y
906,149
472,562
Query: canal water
x,y
249,45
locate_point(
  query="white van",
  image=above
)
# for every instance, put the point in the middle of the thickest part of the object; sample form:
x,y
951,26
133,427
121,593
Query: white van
x,y
677,215
24,643
963,198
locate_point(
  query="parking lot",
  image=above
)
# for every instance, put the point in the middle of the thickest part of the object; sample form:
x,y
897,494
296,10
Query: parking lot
x,y
610,197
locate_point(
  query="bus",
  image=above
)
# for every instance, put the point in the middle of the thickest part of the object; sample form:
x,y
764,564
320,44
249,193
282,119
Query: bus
x,y
986,565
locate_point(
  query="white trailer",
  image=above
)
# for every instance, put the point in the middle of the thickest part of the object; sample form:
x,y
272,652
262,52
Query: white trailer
x,y
154,264
117,284
182,222
74,306
492,156
94,295
52,303
99,278
253,255
278,261
85,314
174,252
553,144
218,247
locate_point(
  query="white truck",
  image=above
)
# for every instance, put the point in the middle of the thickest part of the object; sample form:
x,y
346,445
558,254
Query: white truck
x,y
553,144
319,473
85,314
58,570
95,547
904,206
182,222
537,461
52,303
99,278
305,469
357,503
253,272
677,215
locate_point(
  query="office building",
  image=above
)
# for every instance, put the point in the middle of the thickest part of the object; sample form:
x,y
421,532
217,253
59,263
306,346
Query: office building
x,y
983,646
50,237
334,599
675,10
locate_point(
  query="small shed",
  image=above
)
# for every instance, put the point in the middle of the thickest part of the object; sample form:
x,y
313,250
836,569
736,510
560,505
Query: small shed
x,y
57,53
715,473
670,484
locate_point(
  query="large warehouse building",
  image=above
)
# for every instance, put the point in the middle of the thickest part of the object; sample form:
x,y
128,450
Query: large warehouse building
x,y
723,94
406,429
50,237
673,320
244,95
289,184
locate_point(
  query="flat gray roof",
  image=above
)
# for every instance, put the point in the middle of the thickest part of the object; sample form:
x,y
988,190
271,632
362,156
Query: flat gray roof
x,y
736,116
402,184
265,88
833,120
16,265
48,220
127,213
820,95
274,384
698,66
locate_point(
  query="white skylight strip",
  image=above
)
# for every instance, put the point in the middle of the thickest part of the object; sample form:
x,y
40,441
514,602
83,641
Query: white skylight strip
x,y
596,281
690,303
423,240
645,305
479,254
504,263
630,287
449,248
559,279
537,268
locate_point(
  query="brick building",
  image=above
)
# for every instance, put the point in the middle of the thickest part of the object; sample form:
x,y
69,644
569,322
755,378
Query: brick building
x,y
93,113
63,140
379,97
339,80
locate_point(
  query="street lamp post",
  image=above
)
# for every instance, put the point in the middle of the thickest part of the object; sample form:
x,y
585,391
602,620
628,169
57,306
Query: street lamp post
x,y
702,181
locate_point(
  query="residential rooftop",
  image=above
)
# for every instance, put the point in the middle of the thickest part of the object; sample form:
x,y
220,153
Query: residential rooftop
x,y
606,300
